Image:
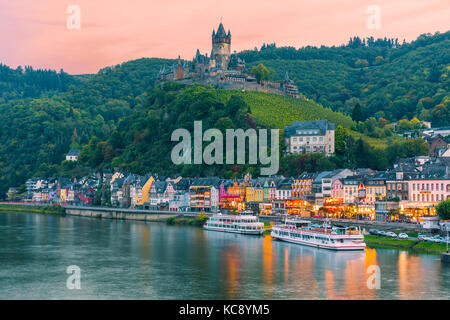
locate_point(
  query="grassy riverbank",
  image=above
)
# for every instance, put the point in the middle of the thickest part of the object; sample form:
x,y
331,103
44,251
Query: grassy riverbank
x,y
17,208
197,221
420,246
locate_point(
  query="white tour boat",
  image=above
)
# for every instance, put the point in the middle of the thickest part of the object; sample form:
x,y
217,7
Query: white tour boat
x,y
327,237
246,224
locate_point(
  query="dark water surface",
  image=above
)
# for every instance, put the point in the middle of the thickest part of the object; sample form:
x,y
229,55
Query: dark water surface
x,y
132,260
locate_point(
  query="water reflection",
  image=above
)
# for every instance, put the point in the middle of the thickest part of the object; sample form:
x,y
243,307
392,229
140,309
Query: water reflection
x,y
268,259
155,261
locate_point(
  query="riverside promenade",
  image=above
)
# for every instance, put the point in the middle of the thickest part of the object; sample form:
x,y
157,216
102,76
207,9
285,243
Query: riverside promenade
x,y
122,213
161,215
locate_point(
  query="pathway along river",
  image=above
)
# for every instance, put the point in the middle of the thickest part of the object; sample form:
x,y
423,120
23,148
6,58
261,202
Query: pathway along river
x,y
132,260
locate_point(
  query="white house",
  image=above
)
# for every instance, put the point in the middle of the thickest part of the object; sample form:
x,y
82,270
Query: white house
x,y
72,155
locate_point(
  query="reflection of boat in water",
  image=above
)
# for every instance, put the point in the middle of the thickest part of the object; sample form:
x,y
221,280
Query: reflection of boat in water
x,y
326,236
245,224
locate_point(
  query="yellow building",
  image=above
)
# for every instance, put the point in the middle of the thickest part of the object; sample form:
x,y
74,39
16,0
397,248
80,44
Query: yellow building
x,y
375,192
146,190
63,195
249,194
254,194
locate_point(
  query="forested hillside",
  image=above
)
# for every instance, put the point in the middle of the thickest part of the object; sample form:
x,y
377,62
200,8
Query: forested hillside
x,y
36,133
388,79
142,142
120,120
29,83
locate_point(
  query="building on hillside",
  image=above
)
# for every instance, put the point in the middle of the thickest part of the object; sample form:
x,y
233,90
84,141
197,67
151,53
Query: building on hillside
x,y
310,137
73,155
437,144
221,47
223,69
289,87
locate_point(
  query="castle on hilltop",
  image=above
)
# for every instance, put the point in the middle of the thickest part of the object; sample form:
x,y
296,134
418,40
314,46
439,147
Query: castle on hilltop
x,y
222,69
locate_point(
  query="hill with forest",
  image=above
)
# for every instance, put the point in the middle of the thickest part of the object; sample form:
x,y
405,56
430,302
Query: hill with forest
x,y
120,120
388,79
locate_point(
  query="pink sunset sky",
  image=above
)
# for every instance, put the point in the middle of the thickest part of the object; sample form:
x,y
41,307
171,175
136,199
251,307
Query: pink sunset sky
x,y
34,32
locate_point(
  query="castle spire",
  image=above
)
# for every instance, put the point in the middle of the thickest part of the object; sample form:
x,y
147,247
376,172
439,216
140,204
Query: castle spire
x,y
221,31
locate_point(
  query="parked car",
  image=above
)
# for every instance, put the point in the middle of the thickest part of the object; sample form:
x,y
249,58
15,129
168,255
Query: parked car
x,y
421,236
391,234
374,232
382,233
444,241
436,239
403,236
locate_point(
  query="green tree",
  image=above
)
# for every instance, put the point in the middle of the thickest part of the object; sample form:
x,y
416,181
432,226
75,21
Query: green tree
x,y
357,114
361,63
261,72
443,209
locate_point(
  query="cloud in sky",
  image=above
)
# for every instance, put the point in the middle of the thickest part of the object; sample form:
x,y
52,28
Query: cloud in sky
x,y
35,33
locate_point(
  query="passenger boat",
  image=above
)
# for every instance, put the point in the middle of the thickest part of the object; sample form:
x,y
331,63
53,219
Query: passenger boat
x,y
325,236
245,224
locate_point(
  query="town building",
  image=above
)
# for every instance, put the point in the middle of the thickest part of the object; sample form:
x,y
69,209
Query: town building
x,y
204,194
73,155
437,144
310,137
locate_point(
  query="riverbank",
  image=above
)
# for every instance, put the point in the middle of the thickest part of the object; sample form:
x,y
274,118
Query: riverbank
x,y
392,243
36,209
198,221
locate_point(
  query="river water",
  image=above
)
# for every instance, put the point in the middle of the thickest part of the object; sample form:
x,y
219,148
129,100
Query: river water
x,y
133,260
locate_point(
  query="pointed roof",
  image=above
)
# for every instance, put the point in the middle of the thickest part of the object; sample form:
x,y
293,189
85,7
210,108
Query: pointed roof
x,y
221,31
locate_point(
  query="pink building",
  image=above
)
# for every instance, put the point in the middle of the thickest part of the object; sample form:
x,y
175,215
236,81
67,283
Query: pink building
x,y
429,191
337,189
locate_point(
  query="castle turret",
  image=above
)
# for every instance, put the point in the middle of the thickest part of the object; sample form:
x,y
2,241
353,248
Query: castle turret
x,y
221,47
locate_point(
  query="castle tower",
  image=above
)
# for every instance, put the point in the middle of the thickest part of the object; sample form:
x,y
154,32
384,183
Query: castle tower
x,y
221,47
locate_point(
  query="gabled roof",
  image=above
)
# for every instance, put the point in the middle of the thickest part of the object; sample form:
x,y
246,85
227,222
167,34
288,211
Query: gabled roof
x,y
73,152
209,181
321,125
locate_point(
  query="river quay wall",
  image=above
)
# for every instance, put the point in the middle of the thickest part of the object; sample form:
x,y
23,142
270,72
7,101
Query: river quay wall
x,y
445,257
119,214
